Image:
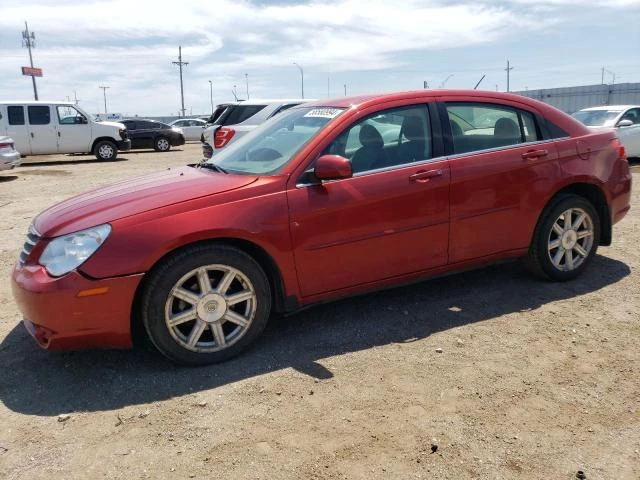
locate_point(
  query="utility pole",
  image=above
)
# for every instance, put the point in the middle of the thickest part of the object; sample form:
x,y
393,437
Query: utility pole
x,y
104,92
29,40
345,89
180,63
211,94
75,96
246,77
508,70
425,84
301,79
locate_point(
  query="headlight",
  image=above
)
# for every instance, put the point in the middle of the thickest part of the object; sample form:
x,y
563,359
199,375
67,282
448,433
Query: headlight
x,y
68,252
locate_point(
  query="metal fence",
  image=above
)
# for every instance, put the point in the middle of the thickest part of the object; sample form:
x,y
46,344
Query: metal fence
x,y
571,99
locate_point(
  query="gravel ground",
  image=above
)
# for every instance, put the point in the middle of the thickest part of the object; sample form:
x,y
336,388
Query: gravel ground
x,y
484,374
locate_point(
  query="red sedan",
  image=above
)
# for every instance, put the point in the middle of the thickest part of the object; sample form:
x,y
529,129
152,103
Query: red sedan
x,y
323,201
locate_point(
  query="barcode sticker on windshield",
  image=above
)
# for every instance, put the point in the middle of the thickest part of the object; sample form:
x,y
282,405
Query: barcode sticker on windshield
x,y
323,112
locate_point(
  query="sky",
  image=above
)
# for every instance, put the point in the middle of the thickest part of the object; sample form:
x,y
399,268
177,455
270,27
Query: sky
x,y
363,46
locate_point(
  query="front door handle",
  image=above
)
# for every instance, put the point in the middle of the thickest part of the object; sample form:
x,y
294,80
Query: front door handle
x,y
423,176
531,154
32,135
58,133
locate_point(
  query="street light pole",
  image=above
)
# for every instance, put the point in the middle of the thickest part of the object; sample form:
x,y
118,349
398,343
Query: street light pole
x,y
446,80
211,94
301,79
246,77
104,92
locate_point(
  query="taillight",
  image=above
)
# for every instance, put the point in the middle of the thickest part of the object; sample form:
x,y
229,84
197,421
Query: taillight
x,y
6,144
619,148
223,136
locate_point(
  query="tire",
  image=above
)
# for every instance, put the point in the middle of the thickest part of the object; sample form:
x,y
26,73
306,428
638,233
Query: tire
x,y
186,310
558,252
105,150
161,144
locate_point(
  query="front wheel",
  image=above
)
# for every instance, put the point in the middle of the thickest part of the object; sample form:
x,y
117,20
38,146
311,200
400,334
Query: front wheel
x,y
162,144
105,150
206,304
566,239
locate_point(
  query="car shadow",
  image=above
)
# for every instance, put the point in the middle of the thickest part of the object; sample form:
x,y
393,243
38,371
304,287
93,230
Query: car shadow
x,y
151,150
55,163
46,383
8,178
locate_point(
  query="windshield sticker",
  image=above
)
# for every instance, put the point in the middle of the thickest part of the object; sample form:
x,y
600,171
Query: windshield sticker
x,y
323,112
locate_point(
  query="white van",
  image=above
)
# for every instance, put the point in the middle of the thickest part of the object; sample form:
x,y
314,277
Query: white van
x,y
43,128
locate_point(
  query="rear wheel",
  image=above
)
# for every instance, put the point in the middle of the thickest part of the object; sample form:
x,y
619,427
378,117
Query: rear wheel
x,y
105,150
566,239
162,144
206,304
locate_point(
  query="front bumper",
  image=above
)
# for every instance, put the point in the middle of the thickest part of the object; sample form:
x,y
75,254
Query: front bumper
x,y
124,145
9,160
74,312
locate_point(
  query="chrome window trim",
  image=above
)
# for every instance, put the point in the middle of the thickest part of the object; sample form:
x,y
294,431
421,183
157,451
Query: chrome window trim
x,y
435,159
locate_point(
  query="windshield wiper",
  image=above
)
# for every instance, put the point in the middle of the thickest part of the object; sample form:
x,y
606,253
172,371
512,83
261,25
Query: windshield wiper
x,y
212,166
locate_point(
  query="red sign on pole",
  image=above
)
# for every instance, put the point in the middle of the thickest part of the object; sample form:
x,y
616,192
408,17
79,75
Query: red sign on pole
x,y
32,71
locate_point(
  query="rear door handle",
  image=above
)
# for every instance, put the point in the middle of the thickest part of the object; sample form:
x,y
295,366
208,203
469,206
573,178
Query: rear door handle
x,y
423,176
32,135
531,154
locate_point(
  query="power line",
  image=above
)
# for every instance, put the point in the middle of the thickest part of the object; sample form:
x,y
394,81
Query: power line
x,y
180,63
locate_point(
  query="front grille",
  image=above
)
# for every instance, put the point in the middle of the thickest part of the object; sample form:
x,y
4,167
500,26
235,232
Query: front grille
x,y
32,238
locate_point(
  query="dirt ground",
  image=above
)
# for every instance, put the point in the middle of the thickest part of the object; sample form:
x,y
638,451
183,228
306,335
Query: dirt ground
x,y
507,376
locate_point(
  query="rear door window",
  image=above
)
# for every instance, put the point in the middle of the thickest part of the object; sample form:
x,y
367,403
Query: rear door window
x,y
481,126
39,115
16,115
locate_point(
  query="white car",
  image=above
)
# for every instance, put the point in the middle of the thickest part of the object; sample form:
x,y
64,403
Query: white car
x,y
236,119
9,156
625,119
192,127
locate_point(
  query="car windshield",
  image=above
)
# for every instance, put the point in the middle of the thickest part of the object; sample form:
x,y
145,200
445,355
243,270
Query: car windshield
x,y
273,144
596,118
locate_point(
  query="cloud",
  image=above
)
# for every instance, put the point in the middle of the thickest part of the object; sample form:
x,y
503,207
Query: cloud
x,y
130,45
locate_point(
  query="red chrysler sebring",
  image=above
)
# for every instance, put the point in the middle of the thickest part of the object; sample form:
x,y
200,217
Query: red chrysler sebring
x,y
322,201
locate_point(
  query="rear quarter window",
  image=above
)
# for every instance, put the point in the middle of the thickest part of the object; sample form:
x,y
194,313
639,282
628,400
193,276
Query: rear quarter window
x,y
16,115
39,115
240,113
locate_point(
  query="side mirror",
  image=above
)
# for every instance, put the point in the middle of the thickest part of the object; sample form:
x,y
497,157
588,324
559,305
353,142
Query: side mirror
x,y
332,167
625,123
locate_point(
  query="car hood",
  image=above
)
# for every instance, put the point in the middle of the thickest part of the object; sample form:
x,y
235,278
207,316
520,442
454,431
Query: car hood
x,y
134,196
112,124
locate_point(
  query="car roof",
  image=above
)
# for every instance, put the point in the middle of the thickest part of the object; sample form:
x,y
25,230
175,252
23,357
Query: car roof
x,y
36,102
269,101
611,108
365,100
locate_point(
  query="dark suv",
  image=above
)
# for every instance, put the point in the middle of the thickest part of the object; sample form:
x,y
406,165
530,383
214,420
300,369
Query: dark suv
x,y
152,134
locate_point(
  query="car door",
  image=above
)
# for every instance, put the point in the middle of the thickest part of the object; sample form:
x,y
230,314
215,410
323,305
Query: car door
x,y
42,130
390,219
74,130
17,129
501,172
630,136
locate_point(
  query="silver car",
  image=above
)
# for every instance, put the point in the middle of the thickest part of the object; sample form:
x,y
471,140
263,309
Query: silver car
x,y
236,119
9,156
192,127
